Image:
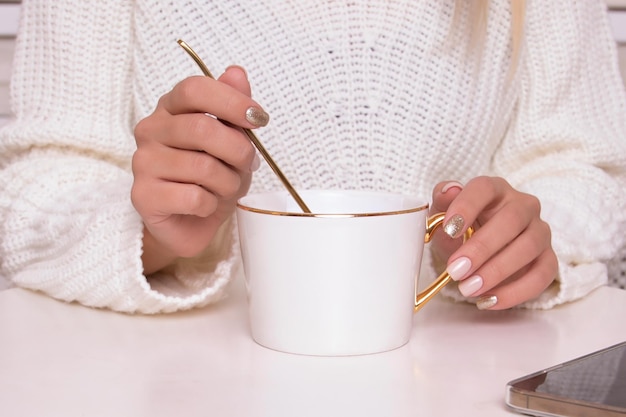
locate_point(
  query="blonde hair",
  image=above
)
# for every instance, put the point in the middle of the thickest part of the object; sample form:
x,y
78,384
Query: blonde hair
x,y
478,16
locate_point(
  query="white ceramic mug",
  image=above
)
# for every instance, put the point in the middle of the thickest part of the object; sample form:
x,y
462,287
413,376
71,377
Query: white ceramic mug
x,y
339,281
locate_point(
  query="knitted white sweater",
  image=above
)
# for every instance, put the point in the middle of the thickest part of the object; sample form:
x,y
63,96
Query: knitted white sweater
x,y
362,94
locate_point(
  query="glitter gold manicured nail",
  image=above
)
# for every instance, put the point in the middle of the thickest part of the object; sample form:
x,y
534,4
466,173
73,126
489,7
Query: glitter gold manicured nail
x,y
486,302
257,116
454,226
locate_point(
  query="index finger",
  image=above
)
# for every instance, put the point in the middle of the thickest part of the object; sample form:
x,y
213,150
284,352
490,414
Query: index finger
x,y
477,195
200,94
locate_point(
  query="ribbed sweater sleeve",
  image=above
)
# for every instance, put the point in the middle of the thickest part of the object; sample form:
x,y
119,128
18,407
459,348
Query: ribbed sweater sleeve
x,y
68,226
567,145
566,141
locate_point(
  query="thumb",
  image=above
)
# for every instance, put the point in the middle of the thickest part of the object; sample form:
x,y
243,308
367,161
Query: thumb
x,y
236,77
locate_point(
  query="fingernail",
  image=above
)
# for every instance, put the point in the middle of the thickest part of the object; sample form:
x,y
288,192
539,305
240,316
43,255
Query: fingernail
x,y
242,69
256,163
451,184
459,267
486,302
470,285
257,116
454,225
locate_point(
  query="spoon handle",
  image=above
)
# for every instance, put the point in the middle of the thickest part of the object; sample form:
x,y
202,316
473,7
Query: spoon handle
x,y
255,141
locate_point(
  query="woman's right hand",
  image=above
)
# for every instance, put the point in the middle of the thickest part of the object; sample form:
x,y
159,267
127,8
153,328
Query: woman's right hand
x,y
192,163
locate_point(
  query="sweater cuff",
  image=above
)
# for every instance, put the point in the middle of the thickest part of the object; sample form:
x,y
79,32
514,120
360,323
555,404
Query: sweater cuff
x,y
198,281
69,230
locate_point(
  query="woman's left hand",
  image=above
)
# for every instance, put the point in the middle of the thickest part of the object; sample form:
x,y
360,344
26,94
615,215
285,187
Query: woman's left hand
x,y
509,259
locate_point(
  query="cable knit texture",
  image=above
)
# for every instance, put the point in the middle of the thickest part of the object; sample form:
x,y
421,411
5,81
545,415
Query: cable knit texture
x,y
376,95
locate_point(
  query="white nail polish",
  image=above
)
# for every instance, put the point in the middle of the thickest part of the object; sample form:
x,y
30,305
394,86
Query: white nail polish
x,y
256,163
459,268
451,184
239,68
470,285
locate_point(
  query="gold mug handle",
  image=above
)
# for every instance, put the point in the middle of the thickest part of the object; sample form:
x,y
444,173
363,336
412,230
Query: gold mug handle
x,y
424,296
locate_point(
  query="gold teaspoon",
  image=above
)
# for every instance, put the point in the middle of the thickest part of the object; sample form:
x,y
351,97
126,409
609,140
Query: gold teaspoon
x,y
255,141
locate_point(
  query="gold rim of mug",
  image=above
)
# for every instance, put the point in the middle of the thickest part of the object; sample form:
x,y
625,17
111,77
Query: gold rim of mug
x,y
331,215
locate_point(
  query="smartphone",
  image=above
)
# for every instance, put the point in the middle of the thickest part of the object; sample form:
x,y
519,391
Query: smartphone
x,y
593,385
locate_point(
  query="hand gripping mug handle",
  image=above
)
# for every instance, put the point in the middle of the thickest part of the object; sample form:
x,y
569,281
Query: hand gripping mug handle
x,y
424,296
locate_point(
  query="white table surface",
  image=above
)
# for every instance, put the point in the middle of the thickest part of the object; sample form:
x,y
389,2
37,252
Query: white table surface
x,y
59,359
